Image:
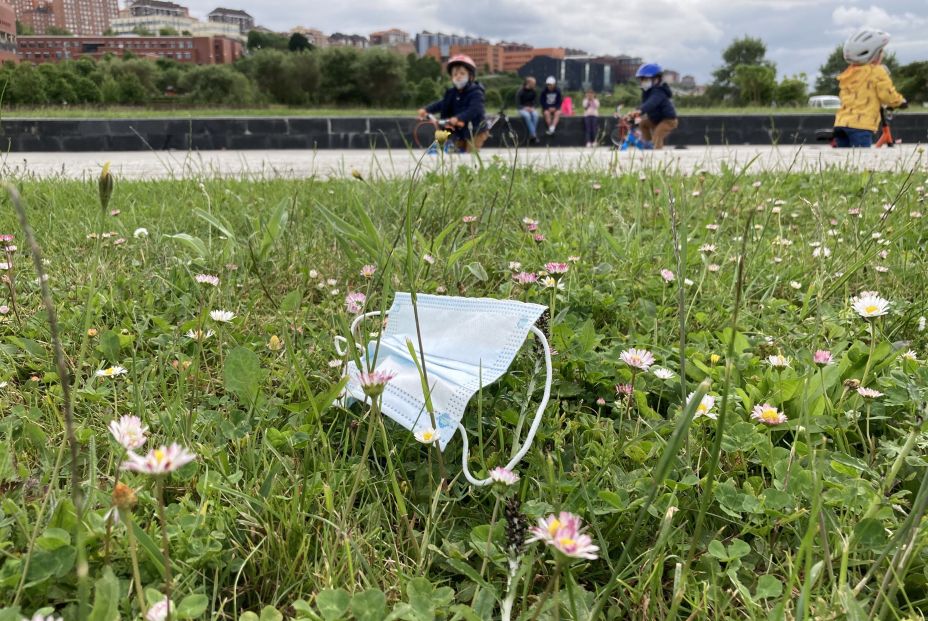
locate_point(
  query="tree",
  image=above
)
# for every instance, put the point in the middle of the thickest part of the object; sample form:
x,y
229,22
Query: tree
x,y
381,78
258,40
276,75
427,91
167,32
299,43
24,30
418,69
912,81
792,91
27,85
142,31
55,31
745,51
340,74
216,84
827,81
755,84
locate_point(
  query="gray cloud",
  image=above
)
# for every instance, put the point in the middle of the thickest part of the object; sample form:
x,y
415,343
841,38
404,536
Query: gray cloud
x,y
687,35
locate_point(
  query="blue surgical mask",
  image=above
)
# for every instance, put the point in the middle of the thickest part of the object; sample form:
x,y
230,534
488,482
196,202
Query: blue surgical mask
x,y
469,343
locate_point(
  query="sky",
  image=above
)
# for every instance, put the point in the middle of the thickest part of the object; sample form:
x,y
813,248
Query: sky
x,y
686,35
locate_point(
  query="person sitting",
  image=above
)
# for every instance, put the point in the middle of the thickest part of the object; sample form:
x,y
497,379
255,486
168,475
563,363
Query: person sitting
x,y
657,115
462,105
551,100
526,99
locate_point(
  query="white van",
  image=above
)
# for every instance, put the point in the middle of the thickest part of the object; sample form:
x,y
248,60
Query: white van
x,y
825,101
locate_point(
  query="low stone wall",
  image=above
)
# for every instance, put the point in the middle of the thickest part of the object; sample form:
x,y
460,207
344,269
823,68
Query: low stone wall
x,y
23,135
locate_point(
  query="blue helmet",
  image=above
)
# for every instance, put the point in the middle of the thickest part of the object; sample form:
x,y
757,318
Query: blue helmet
x,y
649,70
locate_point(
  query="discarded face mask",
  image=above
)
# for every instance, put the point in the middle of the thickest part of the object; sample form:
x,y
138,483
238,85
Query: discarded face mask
x,y
468,343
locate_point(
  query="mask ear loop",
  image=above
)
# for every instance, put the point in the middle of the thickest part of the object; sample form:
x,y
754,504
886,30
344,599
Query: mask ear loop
x,y
536,422
341,340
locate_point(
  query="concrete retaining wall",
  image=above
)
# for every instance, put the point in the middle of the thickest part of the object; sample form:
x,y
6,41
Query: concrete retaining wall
x,y
22,135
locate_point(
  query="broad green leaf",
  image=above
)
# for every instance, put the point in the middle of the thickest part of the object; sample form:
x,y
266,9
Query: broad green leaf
x,y
333,603
870,534
738,548
192,606
194,244
269,613
291,301
717,549
479,272
242,374
371,605
106,598
768,586
109,346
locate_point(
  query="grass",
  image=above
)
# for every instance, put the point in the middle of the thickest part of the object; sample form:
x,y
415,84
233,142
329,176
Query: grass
x,y
132,112
702,518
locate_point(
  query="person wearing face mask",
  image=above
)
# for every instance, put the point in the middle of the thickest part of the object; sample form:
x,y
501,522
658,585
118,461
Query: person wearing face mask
x,y
462,105
657,115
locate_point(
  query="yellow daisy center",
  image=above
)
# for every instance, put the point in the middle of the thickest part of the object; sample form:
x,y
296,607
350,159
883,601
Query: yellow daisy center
x,y
159,455
871,308
701,408
554,526
427,436
566,542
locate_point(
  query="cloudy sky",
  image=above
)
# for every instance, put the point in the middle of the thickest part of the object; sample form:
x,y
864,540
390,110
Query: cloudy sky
x,y
687,35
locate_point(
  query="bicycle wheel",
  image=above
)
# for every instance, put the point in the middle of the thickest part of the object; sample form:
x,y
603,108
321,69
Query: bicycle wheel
x,y
618,134
508,137
423,135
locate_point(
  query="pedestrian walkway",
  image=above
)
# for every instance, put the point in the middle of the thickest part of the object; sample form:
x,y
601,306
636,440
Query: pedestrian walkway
x,y
380,164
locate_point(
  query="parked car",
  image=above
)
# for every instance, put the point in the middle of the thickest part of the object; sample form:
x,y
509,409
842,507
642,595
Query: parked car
x,y
830,102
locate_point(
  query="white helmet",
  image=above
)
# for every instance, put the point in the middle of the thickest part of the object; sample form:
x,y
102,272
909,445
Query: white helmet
x,y
551,80
864,45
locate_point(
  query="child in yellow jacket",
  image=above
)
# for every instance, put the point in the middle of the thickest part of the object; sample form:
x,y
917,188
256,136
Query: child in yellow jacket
x,y
865,88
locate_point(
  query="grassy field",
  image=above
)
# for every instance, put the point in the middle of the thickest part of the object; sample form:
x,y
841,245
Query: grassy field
x,y
77,112
293,507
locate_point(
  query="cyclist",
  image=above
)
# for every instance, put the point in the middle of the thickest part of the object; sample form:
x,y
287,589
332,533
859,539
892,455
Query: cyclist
x,y
462,105
657,116
865,86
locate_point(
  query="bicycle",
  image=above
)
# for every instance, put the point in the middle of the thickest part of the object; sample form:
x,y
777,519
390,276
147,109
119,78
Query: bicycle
x,y
886,132
625,135
423,134
509,138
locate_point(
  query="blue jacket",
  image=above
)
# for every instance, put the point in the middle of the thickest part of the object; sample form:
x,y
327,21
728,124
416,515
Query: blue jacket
x,y
551,99
466,104
655,102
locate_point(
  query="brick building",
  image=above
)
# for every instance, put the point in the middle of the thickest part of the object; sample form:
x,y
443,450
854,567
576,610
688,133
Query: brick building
x,y
316,37
498,57
7,33
144,8
340,39
79,17
75,16
243,20
192,50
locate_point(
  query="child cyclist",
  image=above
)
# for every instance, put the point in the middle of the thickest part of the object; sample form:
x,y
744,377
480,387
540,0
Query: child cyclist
x,y
462,105
657,116
865,86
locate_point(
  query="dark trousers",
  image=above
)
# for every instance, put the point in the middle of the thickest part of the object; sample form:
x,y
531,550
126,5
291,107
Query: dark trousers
x,y
589,127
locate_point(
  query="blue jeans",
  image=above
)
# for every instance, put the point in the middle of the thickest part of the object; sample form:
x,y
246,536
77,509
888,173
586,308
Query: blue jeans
x,y
531,120
849,137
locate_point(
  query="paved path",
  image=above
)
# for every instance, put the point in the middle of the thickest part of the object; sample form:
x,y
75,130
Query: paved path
x,y
301,164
